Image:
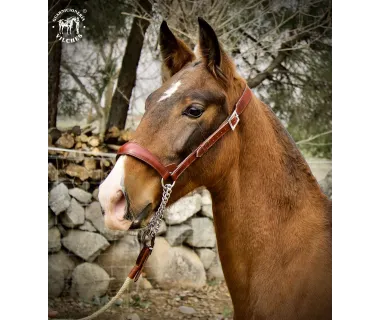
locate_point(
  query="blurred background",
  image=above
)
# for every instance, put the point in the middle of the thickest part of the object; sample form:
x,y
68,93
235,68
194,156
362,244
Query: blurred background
x,y
97,91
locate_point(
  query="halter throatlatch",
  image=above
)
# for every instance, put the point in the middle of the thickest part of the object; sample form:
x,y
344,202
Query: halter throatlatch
x,y
173,171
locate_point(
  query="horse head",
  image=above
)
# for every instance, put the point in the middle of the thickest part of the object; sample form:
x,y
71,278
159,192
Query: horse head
x,y
199,91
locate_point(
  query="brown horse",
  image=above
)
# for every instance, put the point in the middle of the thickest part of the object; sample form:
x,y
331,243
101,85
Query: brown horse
x,y
272,221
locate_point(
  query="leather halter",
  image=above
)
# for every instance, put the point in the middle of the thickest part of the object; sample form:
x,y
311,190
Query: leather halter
x,y
174,171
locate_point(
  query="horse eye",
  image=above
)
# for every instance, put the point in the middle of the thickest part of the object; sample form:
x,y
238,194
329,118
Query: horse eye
x,y
193,111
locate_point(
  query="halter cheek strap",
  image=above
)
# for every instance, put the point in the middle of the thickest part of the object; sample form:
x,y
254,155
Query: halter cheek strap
x,y
135,150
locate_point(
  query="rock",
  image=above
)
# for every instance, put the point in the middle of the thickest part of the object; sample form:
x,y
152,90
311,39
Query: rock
x,y
94,214
54,240
96,174
174,267
60,267
90,164
81,195
59,199
133,316
206,197
74,215
119,259
85,186
186,310
56,282
203,233
144,284
206,204
77,171
176,235
88,281
87,226
118,302
183,209
52,172
65,141
215,272
95,194
93,141
326,184
52,219
162,228
87,245
207,257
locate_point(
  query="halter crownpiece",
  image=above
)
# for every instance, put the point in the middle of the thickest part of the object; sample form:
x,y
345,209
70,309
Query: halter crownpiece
x,y
174,171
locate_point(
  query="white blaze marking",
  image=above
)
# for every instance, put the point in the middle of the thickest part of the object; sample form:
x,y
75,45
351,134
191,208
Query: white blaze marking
x,y
170,91
112,184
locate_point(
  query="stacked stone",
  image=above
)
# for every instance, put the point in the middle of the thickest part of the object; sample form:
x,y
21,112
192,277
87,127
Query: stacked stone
x,y
87,260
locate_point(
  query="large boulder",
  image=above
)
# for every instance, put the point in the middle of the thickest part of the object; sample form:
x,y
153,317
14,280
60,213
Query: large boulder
x,y
59,198
176,235
87,226
183,209
119,259
87,245
162,228
74,215
206,204
60,267
215,272
203,233
89,281
207,256
52,219
174,267
54,240
81,195
326,184
94,215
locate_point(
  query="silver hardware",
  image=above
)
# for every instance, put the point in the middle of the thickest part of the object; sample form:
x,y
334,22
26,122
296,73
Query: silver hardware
x,y
233,115
154,223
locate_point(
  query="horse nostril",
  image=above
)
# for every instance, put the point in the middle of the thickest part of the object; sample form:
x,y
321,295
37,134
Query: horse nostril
x,y
137,223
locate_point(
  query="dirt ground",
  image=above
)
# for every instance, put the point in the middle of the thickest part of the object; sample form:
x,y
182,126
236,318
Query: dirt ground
x,y
210,302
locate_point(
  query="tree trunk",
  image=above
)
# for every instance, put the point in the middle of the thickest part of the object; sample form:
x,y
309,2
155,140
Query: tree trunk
x,y
54,63
127,77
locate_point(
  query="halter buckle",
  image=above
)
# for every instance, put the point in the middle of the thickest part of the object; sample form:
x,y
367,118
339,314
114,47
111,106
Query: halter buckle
x,y
233,116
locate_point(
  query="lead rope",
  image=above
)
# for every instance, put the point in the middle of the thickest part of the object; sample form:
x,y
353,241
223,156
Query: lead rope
x,y
149,235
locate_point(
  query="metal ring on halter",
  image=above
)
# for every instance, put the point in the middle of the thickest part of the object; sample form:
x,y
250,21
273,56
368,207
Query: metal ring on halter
x,y
164,185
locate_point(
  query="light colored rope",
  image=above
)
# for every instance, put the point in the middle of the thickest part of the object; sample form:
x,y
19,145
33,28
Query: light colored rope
x,y
125,285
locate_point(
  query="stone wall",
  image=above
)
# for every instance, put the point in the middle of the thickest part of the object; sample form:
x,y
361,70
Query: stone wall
x,y
87,260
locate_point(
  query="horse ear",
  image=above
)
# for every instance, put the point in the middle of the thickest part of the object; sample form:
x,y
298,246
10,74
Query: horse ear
x,y
175,53
217,62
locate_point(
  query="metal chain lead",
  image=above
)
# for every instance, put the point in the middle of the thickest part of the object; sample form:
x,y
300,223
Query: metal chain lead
x,y
154,223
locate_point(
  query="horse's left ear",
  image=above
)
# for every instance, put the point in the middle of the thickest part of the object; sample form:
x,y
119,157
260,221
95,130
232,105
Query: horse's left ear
x,y
175,53
216,60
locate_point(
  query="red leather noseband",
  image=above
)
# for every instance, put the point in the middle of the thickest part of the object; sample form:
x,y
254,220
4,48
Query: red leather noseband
x,y
174,171
135,150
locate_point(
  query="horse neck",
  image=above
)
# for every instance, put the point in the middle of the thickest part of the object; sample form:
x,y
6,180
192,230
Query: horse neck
x,y
267,192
